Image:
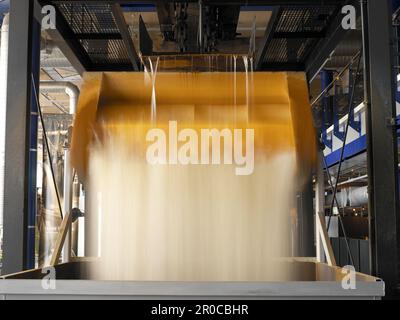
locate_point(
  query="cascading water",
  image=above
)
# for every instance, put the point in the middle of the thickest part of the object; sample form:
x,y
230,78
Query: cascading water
x,y
191,219
153,72
246,67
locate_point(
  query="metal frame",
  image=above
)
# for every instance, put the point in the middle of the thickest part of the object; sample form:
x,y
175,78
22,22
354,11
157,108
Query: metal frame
x,y
317,59
63,37
33,149
71,45
380,91
269,33
383,174
126,37
145,42
300,42
17,135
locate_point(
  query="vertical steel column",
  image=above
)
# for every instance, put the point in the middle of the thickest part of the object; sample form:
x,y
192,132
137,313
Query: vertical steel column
x,y
382,142
319,205
33,145
17,136
200,32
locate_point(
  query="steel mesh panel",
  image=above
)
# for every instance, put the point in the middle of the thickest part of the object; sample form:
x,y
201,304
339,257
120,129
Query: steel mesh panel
x,y
106,51
89,18
96,19
300,19
294,20
288,50
91,23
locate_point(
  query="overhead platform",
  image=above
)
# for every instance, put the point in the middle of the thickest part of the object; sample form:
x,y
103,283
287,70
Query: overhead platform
x,y
97,33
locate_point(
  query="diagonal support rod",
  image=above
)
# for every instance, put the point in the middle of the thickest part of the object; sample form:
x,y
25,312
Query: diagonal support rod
x,y
47,147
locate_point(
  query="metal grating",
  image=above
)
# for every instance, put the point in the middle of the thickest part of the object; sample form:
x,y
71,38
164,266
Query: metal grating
x,y
93,33
87,18
305,19
288,50
106,51
96,30
302,26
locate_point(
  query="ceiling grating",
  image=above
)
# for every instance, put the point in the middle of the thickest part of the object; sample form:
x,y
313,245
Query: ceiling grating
x,y
96,36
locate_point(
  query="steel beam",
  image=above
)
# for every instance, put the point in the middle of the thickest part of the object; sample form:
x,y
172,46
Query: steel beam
x,y
98,36
16,139
299,35
165,17
145,42
33,147
382,142
269,33
123,29
66,41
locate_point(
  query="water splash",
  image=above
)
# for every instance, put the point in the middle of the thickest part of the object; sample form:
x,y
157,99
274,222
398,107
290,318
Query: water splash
x,y
153,70
191,223
251,81
146,74
235,87
246,68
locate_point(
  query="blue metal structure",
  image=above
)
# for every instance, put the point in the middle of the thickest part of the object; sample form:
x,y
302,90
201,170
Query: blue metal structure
x,y
352,149
4,8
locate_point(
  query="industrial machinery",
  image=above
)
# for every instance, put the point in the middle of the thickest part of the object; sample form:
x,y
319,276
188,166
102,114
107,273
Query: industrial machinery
x,y
200,160
136,219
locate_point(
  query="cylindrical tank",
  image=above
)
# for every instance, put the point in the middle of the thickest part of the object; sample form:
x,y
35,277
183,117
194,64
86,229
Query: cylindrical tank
x,y
358,196
341,197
